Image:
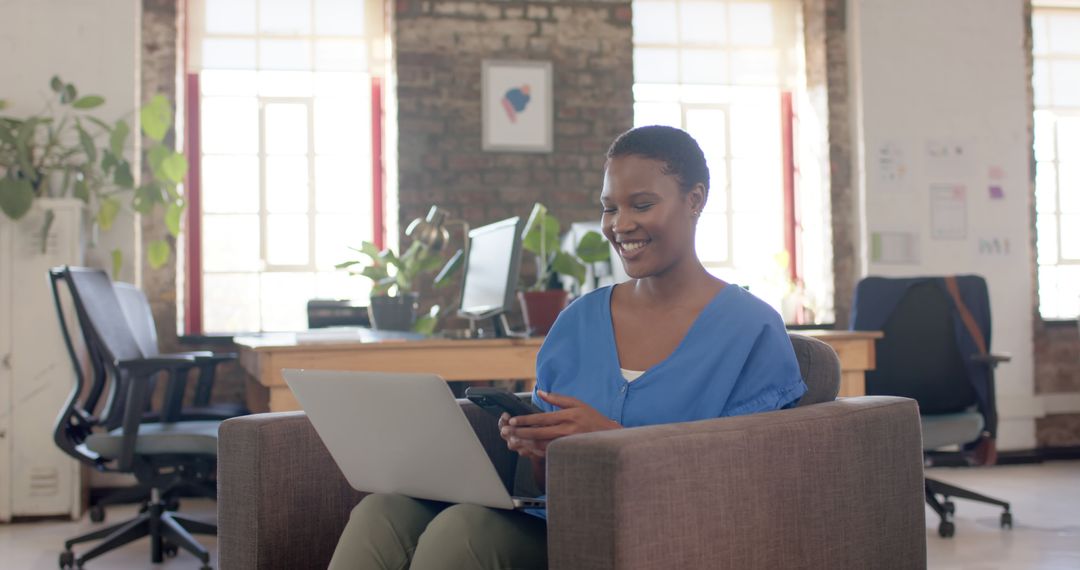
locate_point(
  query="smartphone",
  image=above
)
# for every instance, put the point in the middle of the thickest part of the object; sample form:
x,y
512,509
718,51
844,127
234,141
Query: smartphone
x,y
498,400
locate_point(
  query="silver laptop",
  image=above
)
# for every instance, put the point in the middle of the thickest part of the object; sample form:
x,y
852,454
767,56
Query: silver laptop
x,y
401,433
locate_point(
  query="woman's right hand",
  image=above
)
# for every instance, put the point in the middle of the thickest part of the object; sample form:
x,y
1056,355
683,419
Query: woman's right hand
x,y
531,448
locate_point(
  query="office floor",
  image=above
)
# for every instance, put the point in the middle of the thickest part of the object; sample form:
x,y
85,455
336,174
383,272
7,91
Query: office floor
x,y
1046,519
1046,535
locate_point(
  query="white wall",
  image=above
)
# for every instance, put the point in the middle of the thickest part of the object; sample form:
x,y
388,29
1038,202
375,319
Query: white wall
x,y
91,43
926,73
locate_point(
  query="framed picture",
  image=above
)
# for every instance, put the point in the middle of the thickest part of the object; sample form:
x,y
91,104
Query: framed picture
x,y
517,106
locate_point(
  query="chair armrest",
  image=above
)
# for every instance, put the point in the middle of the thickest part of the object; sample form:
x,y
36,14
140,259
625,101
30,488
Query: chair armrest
x,y
146,366
991,359
282,501
831,485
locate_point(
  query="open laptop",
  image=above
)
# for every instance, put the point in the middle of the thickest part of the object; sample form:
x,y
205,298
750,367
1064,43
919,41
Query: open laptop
x,y
401,433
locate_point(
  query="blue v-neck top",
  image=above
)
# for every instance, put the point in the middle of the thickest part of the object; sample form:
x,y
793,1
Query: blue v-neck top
x,y
735,359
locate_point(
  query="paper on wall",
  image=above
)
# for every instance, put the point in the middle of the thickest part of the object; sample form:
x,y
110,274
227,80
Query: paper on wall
x,y
891,165
948,159
948,211
896,248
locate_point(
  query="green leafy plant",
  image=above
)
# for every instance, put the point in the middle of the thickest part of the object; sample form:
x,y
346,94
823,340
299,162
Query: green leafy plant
x,y
65,151
396,275
542,239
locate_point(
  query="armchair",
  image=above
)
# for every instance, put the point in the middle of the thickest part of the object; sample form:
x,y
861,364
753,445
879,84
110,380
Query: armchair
x,y
809,487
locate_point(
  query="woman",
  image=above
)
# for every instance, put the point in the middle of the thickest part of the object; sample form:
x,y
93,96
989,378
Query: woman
x,y
673,344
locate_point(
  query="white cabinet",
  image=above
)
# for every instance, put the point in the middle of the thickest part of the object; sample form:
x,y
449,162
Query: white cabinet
x,y
36,376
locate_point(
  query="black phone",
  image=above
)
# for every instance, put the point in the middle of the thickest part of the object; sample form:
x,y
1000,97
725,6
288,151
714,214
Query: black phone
x,y
497,400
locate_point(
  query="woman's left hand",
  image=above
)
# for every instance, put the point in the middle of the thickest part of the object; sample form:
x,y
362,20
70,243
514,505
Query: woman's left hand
x,y
574,417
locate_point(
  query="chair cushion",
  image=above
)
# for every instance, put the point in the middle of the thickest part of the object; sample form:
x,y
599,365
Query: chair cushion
x,y
939,430
161,439
820,368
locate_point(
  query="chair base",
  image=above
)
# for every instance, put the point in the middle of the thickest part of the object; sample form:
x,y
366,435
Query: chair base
x,y
945,508
167,531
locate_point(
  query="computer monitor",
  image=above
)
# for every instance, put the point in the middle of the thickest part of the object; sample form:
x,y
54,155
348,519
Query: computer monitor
x,y
491,270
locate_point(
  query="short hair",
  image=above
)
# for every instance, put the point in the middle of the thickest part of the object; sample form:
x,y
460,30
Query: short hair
x,y
680,153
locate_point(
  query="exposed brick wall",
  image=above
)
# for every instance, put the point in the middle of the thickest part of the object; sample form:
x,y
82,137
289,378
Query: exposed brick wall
x,y
1057,359
160,53
825,32
1058,430
438,50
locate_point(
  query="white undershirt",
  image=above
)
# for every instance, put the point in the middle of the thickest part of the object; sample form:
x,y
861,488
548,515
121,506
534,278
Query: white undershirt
x,y
631,375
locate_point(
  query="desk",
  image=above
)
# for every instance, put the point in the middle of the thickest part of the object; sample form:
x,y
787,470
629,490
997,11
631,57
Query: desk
x,y
263,357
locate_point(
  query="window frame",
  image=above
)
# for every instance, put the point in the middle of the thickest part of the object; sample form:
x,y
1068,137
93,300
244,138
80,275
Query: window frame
x,y
1056,112
191,273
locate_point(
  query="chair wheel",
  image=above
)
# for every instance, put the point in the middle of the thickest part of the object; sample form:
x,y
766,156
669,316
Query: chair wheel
x,y
946,529
97,513
172,505
67,559
169,549
950,507
1006,520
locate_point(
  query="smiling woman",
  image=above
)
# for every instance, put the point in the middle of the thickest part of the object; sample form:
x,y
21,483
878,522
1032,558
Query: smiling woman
x,y
656,185
672,344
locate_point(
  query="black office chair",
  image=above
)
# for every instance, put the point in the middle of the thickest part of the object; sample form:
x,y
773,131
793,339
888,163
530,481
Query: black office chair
x,y
140,318
929,353
165,458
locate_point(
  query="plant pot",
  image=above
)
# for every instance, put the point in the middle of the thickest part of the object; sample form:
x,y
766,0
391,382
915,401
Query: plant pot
x,y
394,313
540,308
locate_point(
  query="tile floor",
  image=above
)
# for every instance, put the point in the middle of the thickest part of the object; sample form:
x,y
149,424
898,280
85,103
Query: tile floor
x,y
1045,503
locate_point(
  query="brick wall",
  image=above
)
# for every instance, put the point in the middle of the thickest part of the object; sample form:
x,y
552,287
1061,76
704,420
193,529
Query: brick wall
x,y
826,44
438,50
160,52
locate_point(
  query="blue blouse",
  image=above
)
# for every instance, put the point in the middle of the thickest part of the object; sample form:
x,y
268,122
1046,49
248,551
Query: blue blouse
x,y
735,359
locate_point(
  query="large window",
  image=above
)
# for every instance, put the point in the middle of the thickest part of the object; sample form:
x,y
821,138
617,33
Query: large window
x,y
718,69
286,156
1056,38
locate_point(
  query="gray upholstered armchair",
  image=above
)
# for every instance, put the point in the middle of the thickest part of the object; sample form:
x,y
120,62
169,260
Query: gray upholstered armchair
x,y
829,484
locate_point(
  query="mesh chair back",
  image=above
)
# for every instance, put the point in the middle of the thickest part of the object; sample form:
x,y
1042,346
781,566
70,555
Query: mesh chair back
x,y
918,358
93,293
140,317
77,420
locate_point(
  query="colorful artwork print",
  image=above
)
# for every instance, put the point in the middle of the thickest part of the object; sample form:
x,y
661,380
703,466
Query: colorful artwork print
x,y
517,106
515,101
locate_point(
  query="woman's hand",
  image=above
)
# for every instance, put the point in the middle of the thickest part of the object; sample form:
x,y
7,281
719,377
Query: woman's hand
x,y
537,430
532,449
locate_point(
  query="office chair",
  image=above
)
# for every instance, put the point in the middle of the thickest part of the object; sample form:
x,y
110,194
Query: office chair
x,y
165,458
140,318
929,353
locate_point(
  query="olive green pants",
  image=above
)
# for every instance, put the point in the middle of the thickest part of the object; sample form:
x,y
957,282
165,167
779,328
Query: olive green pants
x,y
394,532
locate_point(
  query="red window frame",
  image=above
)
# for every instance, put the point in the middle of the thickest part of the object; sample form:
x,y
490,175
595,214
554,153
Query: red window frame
x,y
193,150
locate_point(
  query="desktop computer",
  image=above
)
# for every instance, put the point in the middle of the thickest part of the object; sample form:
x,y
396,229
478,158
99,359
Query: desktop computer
x,y
492,261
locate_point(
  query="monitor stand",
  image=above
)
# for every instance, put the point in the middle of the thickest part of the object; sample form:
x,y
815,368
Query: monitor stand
x,y
500,328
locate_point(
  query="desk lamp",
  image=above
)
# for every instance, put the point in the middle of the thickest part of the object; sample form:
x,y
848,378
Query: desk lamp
x,y
432,233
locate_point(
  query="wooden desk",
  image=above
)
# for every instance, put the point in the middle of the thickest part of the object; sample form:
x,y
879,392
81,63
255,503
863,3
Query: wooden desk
x,y
856,352
263,357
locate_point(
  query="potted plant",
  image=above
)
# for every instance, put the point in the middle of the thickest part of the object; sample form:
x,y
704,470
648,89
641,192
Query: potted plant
x,y
395,299
67,152
542,301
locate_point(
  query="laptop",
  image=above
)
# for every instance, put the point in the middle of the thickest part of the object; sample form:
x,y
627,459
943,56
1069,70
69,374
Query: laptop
x,y
401,433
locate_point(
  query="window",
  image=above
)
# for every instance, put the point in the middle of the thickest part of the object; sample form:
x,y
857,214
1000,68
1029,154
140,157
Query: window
x,y
285,154
718,69
1056,43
